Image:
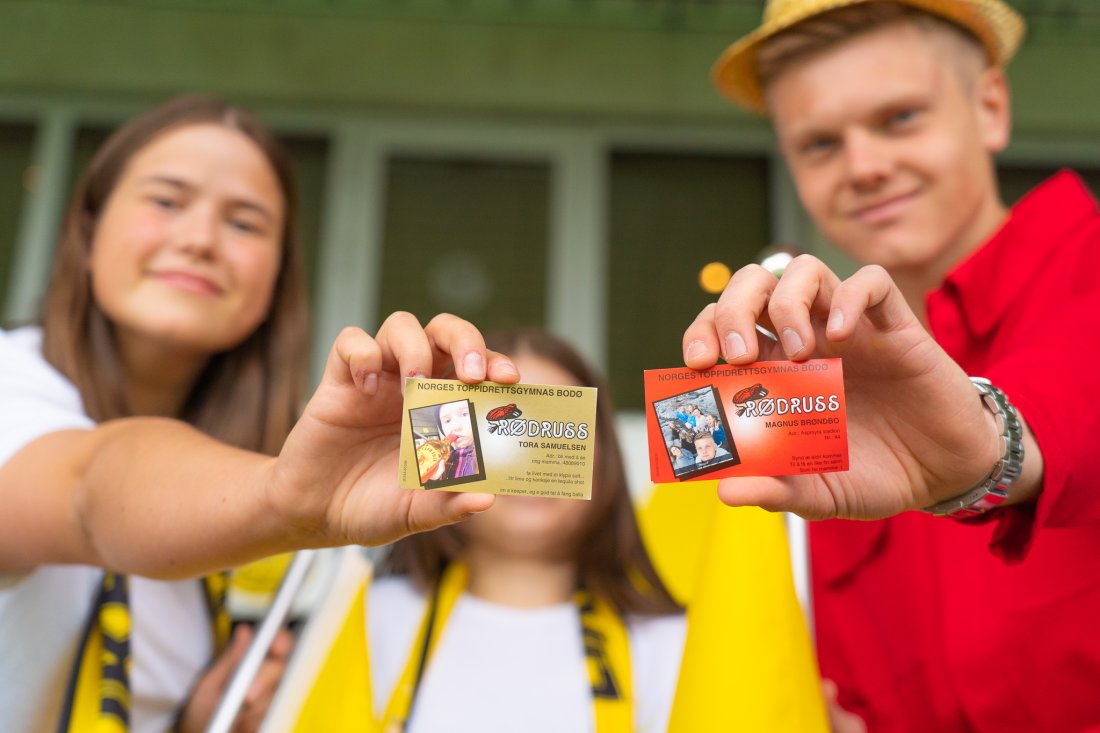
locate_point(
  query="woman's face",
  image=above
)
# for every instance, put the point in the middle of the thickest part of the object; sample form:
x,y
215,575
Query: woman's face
x,y
454,418
186,251
526,526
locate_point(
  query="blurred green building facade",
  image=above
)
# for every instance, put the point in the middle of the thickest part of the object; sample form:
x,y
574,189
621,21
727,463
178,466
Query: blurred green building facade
x,y
563,163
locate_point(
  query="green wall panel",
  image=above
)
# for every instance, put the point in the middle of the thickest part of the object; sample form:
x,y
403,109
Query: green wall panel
x,y
15,178
621,60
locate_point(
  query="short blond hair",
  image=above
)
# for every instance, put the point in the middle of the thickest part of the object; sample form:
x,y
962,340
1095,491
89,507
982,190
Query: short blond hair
x,y
820,32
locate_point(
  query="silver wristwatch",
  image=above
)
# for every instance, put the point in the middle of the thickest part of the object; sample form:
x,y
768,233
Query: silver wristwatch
x,y
994,488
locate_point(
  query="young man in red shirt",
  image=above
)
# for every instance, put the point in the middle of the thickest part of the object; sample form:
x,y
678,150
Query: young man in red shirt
x,y
983,618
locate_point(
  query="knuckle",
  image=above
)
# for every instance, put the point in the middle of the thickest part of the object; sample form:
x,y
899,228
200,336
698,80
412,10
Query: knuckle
x,y
783,305
707,313
441,320
403,318
874,272
748,275
348,332
805,261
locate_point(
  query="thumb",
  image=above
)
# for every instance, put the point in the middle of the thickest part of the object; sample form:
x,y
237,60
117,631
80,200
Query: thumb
x,y
430,509
770,493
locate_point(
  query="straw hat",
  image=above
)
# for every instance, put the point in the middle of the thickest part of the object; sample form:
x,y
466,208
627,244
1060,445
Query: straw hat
x,y
995,24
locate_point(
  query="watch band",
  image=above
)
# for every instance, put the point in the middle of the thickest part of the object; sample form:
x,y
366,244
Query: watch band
x,y
992,490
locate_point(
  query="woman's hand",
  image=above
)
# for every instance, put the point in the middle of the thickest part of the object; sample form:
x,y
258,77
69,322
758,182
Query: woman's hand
x,y
202,704
917,432
336,476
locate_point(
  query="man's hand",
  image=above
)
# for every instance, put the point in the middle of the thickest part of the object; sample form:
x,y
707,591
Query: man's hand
x,y
917,431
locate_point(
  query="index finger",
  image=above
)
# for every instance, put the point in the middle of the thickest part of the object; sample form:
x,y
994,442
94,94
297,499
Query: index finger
x,y
804,292
456,340
728,327
404,345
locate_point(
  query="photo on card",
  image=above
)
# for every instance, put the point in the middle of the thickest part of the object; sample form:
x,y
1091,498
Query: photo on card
x,y
448,448
696,433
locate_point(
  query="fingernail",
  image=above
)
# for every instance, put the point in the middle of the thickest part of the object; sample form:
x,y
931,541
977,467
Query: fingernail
x,y
695,350
474,366
735,346
507,367
417,375
370,383
792,342
836,321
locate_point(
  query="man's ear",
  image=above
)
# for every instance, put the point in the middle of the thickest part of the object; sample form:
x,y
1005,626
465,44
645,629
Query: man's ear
x,y
993,103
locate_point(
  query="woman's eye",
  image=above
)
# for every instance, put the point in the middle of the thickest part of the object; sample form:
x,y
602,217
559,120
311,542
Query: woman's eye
x,y
245,226
164,202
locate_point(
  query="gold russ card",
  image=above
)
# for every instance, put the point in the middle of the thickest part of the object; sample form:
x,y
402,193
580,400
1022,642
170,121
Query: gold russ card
x,y
530,439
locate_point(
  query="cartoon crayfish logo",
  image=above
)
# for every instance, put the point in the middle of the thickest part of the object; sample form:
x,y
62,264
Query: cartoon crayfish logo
x,y
745,397
499,415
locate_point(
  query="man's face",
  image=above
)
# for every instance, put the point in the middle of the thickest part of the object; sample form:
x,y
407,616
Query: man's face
x,y
705,448
890,149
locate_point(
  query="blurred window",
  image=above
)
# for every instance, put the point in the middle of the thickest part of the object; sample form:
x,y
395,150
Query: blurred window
x,y
1017,180
670,215
467,236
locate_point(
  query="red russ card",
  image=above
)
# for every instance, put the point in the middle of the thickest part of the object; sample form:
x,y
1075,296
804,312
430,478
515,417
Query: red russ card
x,y
770,418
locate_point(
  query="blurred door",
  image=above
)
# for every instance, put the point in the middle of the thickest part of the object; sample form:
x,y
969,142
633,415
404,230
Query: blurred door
x,y
671,214
468,235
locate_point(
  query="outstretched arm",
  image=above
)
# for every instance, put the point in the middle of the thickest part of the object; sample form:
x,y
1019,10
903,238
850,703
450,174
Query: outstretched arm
x,y
157,497
917,431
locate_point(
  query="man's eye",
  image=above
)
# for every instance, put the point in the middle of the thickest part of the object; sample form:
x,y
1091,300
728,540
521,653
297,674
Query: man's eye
x,y
819,146
904,117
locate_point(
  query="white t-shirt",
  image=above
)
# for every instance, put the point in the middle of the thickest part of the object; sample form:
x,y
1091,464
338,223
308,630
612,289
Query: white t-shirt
x,y
501,670
43,612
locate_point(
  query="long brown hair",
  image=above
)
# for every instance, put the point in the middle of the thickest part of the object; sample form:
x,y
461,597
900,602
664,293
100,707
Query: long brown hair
x,y
611,559
248,396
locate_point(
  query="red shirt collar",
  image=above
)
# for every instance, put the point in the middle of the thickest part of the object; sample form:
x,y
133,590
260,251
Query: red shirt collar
x,y
987,282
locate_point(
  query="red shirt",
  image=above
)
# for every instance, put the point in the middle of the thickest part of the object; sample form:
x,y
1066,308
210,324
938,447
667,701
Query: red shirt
x,y
933,625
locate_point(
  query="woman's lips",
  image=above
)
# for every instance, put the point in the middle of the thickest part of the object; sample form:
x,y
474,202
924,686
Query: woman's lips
x,y
189,282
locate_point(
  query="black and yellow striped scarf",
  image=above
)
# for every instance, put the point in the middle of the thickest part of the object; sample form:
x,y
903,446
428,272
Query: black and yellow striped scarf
x,y
98,694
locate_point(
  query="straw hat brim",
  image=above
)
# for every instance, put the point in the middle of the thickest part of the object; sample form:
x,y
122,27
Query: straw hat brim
x,y
999,28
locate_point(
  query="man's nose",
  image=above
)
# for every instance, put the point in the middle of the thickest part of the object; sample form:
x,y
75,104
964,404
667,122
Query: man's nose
x,y
868,157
